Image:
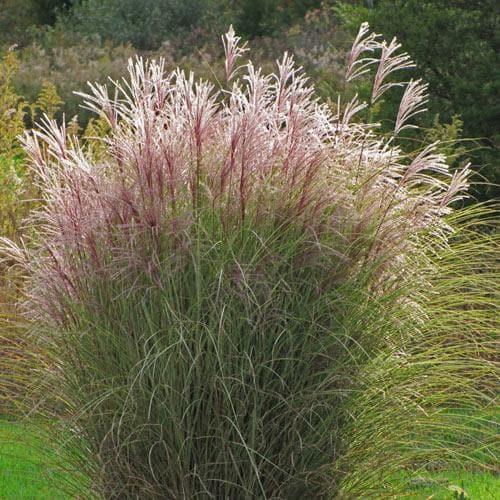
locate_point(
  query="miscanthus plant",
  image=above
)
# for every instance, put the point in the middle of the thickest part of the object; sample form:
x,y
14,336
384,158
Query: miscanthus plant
x,y
249,295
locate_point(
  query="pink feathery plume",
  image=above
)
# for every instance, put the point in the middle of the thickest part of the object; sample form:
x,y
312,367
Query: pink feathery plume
x,y
232,51
412,103
364,42
389,63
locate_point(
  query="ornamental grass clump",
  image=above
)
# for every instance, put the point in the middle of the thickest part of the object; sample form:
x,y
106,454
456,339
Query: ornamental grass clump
x,y
248,295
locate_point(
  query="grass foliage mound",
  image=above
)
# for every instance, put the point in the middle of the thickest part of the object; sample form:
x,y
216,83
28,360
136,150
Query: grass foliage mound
x,y
239,293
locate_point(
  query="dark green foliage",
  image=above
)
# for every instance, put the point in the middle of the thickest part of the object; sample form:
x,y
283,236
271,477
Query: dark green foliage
x,y
456,45
21,19
143,23
47,9
146,23
266,17
16,19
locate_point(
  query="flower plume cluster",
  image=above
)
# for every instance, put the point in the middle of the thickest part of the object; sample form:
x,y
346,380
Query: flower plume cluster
x,y
262,147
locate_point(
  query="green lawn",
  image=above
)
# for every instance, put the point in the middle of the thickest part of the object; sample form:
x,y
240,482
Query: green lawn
x,y
26,467
475,486
26,473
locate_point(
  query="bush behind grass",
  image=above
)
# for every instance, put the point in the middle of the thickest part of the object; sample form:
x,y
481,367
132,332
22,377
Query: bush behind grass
x,y
246,295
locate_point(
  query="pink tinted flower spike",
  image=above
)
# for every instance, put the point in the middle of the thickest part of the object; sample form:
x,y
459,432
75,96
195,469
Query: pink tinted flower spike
x,y
269,149
364,42
232,52
389,63
412,103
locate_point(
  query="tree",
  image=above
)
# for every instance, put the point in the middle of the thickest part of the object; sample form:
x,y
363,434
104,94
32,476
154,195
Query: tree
x,y
46,10
19,18
16,18
143,23
456,45
264,17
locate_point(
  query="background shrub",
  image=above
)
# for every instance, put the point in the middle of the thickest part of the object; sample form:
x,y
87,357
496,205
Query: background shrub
x,y
461,67
145,23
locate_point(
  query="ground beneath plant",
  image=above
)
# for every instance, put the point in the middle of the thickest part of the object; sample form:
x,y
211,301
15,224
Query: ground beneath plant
x,y
26,473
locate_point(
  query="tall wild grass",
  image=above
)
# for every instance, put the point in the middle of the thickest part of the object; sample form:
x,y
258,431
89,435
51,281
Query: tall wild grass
x,y
247,294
